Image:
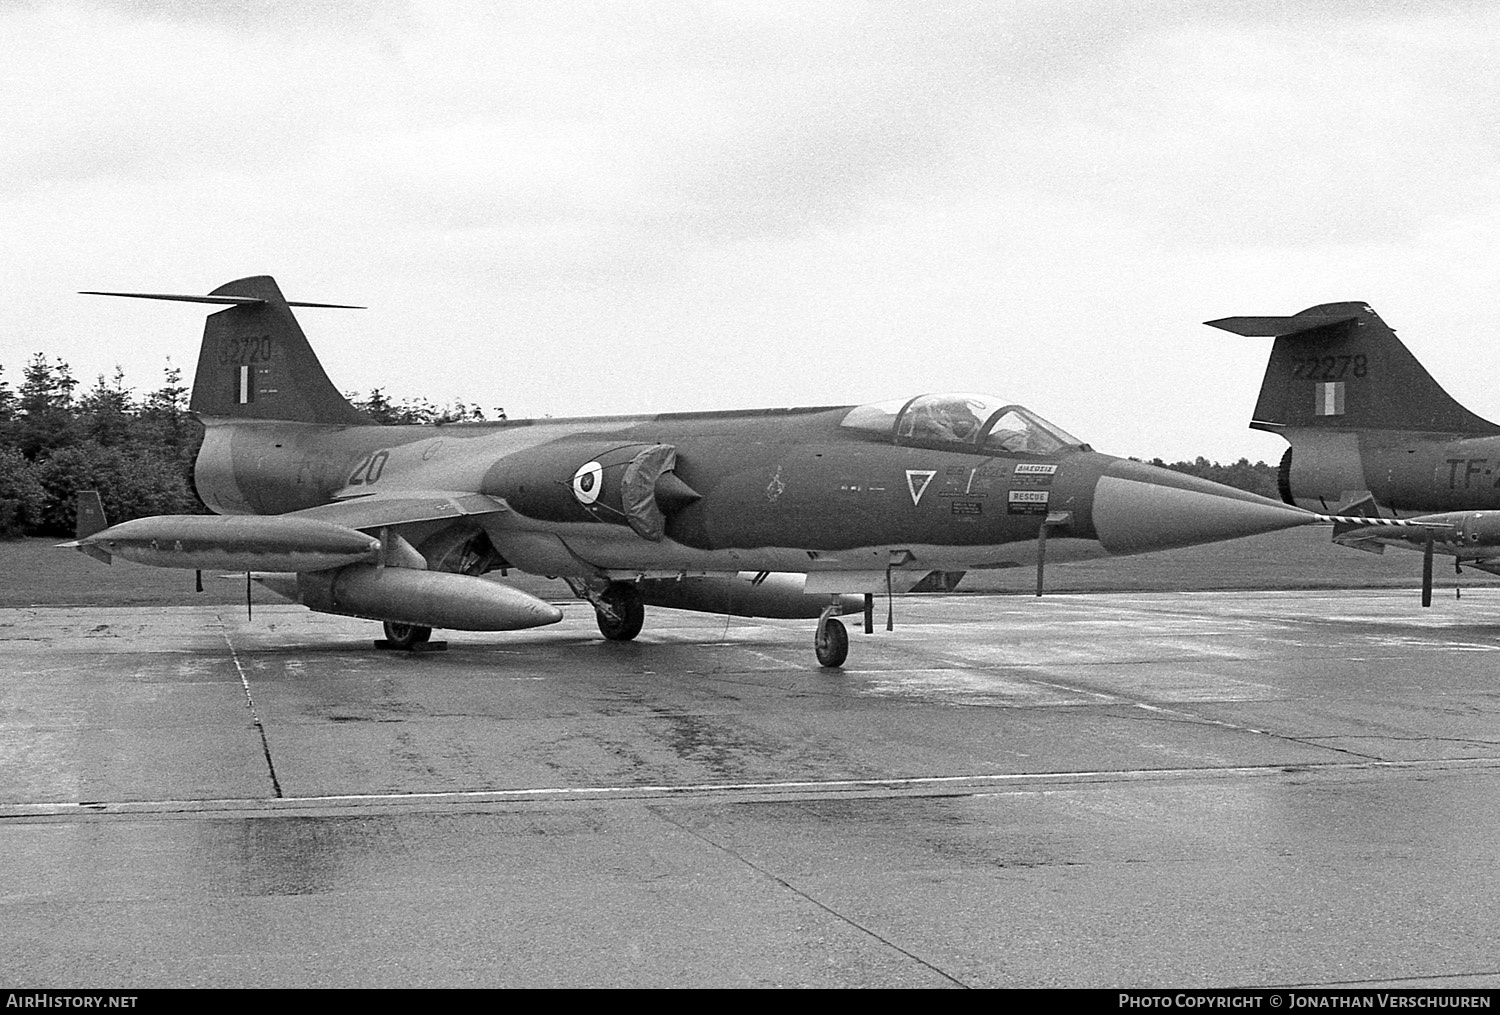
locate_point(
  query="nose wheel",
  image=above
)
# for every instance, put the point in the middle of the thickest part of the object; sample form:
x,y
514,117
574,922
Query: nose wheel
x,y
831,643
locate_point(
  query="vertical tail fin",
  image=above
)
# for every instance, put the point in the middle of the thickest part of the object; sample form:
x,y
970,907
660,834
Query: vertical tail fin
x,y
255,362
89,519
90,516
1339,366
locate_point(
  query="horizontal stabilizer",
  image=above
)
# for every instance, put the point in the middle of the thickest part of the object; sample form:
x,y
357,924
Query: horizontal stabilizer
x,y
1278,327
1339,367
237,301
255,362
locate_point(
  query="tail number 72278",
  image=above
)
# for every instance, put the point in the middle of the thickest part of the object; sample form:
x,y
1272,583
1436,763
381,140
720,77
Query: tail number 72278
x,y
1329,368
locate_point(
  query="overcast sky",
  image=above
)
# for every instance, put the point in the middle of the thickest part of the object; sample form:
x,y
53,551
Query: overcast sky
x,y
571,208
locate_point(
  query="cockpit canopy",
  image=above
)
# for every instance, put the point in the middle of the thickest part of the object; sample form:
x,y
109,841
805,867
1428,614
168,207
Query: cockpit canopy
x,y
981,423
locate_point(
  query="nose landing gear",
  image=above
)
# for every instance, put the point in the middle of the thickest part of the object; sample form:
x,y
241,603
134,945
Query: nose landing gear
x,y
831,642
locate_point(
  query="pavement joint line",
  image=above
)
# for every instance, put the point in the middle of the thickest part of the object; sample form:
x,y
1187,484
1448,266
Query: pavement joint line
x,y
953,785
811,899
260,728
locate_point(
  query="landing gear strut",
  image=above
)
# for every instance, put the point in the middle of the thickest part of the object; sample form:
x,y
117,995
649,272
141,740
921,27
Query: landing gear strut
x,y
620,612
831,642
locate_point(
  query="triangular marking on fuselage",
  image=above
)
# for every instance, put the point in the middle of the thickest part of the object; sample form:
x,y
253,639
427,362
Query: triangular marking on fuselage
x,y
917,481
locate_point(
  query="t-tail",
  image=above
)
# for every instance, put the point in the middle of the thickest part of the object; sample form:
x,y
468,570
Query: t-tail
x,y
255,362
1338,366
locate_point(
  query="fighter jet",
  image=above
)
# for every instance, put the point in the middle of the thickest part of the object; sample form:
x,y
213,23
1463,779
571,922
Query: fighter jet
x,y
1371,434
786,513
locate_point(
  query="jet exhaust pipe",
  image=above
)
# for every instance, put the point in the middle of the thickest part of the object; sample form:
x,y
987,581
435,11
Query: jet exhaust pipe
x,y
772,595
406,596
232,543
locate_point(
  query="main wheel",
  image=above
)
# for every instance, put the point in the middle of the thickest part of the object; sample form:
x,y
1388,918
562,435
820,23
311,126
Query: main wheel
x,y
406,635
831,643
624,601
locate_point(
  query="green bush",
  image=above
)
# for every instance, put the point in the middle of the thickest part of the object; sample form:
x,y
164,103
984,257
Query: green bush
x,y
22,496
132,482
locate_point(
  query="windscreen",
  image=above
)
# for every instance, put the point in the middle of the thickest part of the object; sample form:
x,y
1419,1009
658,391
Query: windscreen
x,y
962,420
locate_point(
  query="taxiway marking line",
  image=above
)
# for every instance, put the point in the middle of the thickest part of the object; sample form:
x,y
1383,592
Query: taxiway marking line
x,y
943,785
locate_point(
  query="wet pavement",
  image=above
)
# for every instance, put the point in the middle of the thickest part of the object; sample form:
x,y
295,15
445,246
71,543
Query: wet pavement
x,y
1228,789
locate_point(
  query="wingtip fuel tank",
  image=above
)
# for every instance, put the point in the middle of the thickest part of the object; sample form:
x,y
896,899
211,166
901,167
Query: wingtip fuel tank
x,y
232,543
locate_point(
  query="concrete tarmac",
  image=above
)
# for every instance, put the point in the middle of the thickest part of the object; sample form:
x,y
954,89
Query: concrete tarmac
x,y
1169,790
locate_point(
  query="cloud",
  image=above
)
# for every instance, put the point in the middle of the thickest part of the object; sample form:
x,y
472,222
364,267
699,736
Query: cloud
x,y
786,202
100,95
1219,134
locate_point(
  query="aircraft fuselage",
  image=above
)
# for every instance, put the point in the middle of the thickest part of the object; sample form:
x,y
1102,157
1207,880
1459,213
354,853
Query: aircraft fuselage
x,y
771,490
771,513
1409,472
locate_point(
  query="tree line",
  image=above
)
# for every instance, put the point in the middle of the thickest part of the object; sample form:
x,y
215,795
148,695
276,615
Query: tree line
x,y
138,450
1242,475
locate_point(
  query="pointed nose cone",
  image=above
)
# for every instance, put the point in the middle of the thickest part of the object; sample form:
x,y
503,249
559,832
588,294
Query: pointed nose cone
x,y
1138,508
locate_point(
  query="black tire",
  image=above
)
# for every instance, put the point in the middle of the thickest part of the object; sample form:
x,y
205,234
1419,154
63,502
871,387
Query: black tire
x,y
406,635
630,612
831,644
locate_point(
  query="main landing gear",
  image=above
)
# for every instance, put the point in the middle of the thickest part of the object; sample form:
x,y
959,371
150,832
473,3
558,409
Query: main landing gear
x,y
620,611
409,638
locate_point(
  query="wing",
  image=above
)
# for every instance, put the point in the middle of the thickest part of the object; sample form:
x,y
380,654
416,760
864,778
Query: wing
x,y
404,507
315,539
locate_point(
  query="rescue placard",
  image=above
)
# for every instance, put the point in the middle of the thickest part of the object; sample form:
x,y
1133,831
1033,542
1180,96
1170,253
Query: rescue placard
x,y
1027,502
